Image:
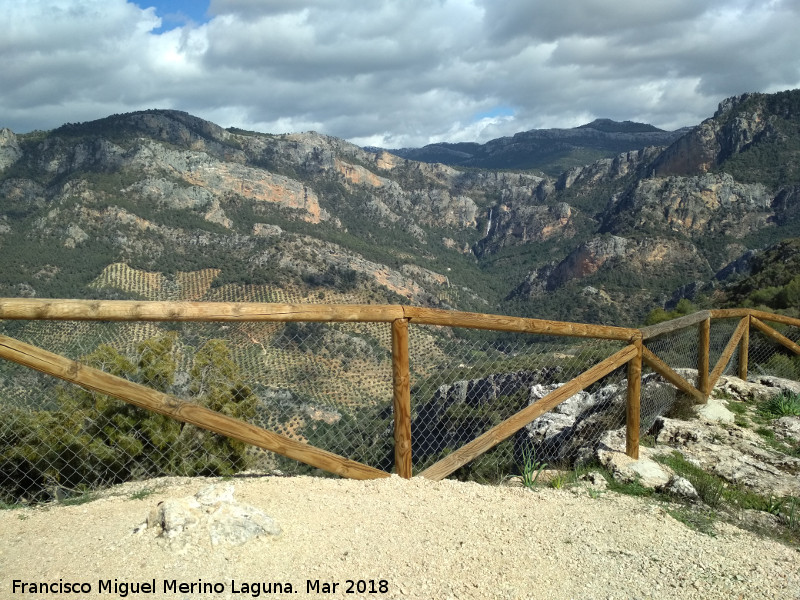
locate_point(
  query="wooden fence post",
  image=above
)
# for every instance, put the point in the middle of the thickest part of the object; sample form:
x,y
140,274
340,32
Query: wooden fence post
x,y
632,406
744,349
703,343
401,398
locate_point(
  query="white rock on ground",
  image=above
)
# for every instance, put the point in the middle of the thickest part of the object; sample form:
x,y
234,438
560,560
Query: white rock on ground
x,y
212,513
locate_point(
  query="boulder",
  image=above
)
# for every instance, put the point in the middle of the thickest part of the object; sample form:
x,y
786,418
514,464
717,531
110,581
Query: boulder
x,y
594,480
680,487
210,516
714,411
646,471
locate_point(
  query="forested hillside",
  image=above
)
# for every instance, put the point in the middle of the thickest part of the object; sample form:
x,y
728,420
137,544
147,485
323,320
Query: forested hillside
x,y
137,205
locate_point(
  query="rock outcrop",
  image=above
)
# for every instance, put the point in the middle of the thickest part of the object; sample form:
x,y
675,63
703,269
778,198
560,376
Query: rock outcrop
x,y
715,139
714,442
212,516
700,205
668,257
9,148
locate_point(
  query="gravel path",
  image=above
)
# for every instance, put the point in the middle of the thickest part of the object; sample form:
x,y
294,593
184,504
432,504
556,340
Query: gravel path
x,y
426,540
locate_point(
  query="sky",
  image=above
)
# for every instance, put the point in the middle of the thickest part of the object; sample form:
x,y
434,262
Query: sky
x,y
392,73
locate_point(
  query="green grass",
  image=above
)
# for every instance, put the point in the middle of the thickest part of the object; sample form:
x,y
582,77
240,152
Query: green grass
x,y
142,494
78,500
709,487
782,405
530,468
701,521
633,488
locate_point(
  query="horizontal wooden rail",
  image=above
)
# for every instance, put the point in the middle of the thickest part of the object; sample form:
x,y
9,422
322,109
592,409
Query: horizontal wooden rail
x,y
514,423
130,310
652,331
782,319
144,397
433,316
730,313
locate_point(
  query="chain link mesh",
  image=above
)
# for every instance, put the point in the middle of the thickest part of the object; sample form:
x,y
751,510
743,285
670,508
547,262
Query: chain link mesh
x,y
719,335
679,349
769,358
465,382
328,384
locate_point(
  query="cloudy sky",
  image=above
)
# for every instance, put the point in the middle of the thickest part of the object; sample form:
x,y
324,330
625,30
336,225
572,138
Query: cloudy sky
x,y
392,73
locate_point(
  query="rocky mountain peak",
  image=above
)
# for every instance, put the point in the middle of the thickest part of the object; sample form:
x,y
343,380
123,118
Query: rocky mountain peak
x,y
731,103
739,123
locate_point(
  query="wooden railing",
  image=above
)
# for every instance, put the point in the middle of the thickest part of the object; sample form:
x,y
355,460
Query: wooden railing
x,y
633,355
707,377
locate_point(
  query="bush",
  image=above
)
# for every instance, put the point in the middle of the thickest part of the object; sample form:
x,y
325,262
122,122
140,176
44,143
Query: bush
x,y
92,439
782,405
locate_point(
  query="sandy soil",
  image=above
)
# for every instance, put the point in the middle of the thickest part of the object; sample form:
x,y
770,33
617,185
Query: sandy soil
x,y
415,539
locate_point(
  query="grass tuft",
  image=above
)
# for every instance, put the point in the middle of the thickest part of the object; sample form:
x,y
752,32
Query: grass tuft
x,y
782,405
142,494
531,468
697,520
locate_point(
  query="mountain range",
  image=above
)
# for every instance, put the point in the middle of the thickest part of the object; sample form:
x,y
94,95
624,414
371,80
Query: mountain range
x,y
160,204
551,151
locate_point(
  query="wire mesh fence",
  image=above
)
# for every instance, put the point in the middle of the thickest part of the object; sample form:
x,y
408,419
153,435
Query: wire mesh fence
x,y
771,359
720,333
466,382
327,384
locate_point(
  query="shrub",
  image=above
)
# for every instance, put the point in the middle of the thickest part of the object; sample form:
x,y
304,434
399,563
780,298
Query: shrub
x,y
92,439
782,405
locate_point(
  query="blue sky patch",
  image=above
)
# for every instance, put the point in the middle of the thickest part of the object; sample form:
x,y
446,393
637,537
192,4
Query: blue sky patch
x,y
497,111
177,13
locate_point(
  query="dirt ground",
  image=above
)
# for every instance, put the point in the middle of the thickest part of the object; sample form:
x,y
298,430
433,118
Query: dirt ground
x,y
391,539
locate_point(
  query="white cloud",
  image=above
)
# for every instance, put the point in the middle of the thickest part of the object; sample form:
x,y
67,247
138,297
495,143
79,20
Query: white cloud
x,y
395,72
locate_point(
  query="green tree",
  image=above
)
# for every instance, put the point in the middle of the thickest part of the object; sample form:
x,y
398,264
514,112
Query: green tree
x,y
93,439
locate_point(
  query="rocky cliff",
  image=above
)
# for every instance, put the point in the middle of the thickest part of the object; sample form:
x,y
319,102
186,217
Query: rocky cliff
x,y
166,192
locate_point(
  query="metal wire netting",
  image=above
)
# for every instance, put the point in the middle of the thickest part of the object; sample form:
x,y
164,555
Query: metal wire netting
x,y
720,333
326,384
765,356
768,358
463,383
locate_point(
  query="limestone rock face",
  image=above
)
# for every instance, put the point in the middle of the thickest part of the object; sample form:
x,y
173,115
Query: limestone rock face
x,y
757,388
607,169
735,454
9,148
699,205
667,255
519,223
714,140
